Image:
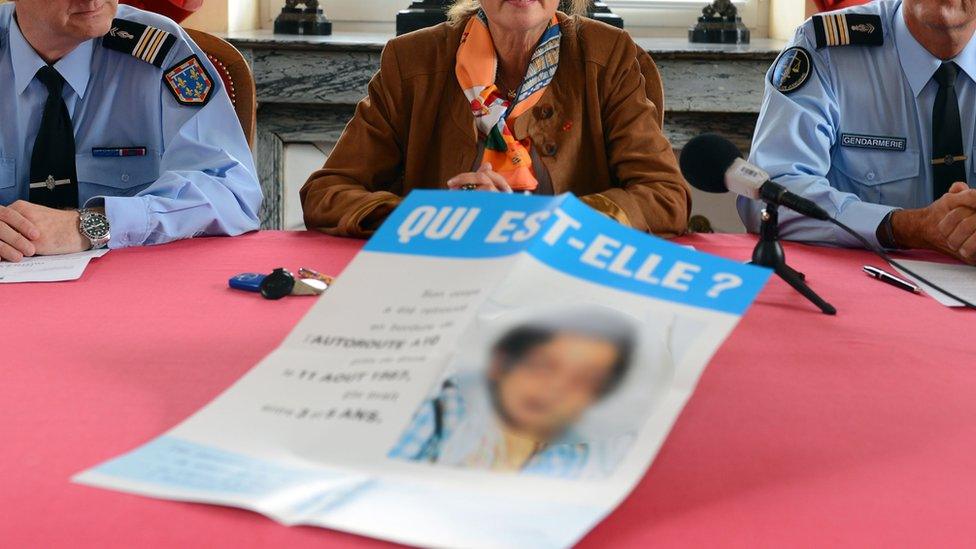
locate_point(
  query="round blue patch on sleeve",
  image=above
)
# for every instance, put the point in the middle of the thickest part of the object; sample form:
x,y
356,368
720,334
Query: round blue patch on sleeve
x,y
792,70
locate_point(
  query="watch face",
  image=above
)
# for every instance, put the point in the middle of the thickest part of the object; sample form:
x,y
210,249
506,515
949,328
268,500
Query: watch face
x,y
95,226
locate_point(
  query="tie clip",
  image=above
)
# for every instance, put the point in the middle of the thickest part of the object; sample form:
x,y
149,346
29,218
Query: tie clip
x,y
948,160
108,152
50,183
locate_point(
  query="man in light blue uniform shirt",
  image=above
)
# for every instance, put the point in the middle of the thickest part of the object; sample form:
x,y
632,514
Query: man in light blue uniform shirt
x,y
141,146
853,119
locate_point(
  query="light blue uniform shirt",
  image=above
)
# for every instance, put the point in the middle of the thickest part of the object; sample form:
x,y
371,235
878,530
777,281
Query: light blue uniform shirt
x,y
198,176
803,138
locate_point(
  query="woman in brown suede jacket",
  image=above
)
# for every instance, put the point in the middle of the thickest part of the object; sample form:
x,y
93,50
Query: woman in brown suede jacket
x,y
578,106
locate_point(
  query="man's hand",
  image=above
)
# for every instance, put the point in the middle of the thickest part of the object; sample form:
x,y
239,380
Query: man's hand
x,y
945,225
958,228
57,230
485,179
16,235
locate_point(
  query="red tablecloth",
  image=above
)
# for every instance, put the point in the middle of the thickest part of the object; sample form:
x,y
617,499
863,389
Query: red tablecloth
x,y
806,430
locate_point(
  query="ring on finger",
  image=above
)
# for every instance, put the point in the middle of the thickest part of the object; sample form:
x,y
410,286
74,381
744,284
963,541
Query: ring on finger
x,y
469,187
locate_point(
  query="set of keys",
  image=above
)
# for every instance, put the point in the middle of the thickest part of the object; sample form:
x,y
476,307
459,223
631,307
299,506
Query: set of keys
x,y
281,282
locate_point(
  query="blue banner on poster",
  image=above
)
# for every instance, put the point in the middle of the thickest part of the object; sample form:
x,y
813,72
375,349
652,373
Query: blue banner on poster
x,y
569,236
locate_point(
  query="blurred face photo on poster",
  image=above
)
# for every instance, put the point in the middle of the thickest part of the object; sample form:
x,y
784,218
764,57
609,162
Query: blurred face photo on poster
x,y
560,393
543,380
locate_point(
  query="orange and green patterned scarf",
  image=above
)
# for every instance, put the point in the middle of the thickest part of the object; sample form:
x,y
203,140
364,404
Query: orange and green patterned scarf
x,y
494,114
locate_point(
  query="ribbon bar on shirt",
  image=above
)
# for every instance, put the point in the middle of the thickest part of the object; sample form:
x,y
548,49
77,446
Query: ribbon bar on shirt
x,y
108,152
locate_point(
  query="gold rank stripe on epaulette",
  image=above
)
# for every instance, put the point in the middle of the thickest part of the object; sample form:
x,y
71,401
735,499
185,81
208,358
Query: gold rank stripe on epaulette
x,y
846,29
143,42
835,29
149,45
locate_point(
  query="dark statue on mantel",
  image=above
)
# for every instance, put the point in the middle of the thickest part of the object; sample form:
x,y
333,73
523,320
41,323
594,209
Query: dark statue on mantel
x,y
719,24
307,20
427,13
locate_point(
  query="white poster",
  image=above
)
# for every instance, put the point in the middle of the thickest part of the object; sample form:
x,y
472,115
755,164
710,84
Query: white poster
x,y
490,371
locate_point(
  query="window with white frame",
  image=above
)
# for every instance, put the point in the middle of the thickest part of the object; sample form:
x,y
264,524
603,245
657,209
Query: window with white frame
x,y
641,17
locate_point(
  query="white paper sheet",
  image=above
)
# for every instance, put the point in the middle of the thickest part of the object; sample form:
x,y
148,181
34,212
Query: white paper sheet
x,y
51,268
958,279
389,409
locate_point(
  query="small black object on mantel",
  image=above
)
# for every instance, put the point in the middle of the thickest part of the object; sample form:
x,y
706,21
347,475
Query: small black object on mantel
x,y
719,24
307,20
422,14
427,13
601,12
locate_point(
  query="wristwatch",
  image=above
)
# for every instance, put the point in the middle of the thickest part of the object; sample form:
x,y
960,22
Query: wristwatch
x,y
886,233
94,226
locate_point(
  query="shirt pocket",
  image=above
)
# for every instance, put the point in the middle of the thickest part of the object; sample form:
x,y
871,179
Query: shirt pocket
x,y
8,172
117,175
882,177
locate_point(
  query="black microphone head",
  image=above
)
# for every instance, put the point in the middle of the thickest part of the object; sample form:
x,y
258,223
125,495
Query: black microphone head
x,y
705,159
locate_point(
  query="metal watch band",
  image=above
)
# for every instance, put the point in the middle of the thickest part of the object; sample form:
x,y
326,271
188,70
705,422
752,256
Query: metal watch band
x,y
96,242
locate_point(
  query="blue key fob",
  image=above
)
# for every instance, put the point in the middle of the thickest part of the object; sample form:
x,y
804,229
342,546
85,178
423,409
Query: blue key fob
x,y
249,282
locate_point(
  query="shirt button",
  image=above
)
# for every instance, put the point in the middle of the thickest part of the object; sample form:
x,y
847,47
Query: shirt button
x,y
125,178
549,149
870,176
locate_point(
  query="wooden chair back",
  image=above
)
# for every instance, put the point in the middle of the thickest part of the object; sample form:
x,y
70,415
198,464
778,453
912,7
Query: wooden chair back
x,y
237,77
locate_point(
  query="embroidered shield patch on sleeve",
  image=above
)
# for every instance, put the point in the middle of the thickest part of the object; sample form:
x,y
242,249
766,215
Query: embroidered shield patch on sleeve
x,y
189,82
792,70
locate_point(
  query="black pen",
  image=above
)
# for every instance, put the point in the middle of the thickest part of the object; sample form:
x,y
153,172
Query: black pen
x,y
888,278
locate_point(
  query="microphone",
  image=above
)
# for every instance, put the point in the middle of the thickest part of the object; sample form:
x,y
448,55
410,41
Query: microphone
x,y
713,164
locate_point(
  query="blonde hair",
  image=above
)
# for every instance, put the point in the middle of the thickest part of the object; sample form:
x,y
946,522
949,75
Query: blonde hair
x,y
462,9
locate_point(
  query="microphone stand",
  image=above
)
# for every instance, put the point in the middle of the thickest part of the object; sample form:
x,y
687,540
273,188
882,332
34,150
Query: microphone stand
x,y
769,253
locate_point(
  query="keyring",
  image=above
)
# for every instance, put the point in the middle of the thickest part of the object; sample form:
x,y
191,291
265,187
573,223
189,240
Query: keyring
x,y
277,284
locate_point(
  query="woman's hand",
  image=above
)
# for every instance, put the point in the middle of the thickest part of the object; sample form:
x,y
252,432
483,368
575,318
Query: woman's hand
x,y
485,179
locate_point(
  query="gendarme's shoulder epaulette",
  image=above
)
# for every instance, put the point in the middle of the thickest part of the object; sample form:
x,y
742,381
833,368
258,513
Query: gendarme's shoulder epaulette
x,y
140,41
848,29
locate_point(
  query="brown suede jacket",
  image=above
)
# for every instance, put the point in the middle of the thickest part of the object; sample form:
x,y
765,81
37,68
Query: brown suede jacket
x,y
596,129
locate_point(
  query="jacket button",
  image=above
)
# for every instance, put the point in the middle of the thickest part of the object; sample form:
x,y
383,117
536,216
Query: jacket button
x,y
549,149
543,112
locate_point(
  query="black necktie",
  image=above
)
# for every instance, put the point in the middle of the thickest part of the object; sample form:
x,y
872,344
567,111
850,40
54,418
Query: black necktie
x,y
948,157
53,180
